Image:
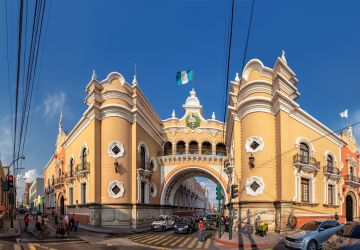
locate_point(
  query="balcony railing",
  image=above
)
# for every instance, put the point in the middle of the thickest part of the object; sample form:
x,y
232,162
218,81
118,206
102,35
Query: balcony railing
x,y
69,176
307,164
207,155
352,180
59,182
332,173
82,169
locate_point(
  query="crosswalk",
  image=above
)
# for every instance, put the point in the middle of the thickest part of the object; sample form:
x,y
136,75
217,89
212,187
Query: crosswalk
x,y
171,240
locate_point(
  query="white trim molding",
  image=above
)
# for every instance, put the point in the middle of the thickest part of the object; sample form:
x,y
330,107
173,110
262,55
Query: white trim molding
x,y
119,145
259,140
250,181
120,186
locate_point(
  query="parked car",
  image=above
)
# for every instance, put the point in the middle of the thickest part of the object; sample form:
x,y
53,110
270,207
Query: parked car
x,y
345,239
185,225
312,234
211,221
162,223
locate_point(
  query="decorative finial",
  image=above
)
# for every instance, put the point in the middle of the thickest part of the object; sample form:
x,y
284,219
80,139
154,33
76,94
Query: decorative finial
x,y
173,115
192,93
134,82
237,78
60,121
213,116
93,77
283,56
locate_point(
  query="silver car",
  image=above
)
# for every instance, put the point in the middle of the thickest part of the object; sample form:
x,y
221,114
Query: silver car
x,y
348,238
312,234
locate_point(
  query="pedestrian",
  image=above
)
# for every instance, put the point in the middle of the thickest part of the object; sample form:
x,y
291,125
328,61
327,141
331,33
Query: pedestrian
x,y
38,222
76,225
1,219
45,224
56,219
65,223
26,220
72,222
227,223
52,214
336,216
201,227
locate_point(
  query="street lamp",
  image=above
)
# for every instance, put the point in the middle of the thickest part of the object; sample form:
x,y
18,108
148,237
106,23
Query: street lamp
x,y
22,157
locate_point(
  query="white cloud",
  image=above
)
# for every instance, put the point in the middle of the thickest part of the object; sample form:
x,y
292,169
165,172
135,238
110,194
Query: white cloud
x,y
54,103
30,176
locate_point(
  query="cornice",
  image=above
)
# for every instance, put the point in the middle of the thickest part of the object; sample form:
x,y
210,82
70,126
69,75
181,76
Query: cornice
x,y
256,86
256,64
254,104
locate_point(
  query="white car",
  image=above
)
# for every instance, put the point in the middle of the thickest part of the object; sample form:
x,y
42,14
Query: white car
x,y
162,223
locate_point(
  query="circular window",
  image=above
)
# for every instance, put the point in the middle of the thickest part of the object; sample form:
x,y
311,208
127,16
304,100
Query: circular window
x,y
153,190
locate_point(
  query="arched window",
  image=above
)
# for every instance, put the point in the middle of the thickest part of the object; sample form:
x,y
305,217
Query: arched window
x,y
168,148
48,183
84,158
304,153
180,148
53,180
193,147
206,148
330,161
221,149
142,158
71,167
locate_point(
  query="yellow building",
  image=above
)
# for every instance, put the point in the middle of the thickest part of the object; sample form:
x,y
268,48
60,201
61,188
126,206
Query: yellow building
x,y
122,165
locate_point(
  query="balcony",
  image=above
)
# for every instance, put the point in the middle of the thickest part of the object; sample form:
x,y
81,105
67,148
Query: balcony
x,y
333,173
69,177
59,182
192,155
49,190
352,180
306,164
82,169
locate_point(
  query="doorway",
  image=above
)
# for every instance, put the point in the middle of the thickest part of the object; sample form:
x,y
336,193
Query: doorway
x,y
349,208
62,205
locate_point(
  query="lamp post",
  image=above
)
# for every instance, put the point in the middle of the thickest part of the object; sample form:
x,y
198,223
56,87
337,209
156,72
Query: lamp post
x,y
229,171
12,191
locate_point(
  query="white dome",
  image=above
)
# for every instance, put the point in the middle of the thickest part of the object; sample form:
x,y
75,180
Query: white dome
x,y
192,103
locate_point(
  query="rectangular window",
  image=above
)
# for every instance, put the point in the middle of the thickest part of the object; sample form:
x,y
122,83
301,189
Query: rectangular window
x,y
305,190
330,194
83,193
71,196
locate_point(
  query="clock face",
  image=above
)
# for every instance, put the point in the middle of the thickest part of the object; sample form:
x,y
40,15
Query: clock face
x,y
192,121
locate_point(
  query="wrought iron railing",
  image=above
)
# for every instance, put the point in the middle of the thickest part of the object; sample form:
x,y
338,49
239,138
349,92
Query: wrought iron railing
x,y
331,170
82,167
193,152
352,178
306,160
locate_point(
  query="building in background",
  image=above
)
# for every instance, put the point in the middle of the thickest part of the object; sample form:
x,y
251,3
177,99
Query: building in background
x,y
26,195
350,209
4,173
36,189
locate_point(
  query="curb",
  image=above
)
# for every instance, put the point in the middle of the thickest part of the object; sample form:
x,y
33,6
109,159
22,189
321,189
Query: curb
x,y
109,231
13,235
32,240
235,244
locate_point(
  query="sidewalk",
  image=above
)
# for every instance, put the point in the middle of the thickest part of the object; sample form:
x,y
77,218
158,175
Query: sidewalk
x,y
5,229
244,239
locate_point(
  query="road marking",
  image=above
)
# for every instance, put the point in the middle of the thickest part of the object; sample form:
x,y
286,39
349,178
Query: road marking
x,y
169,240
200,245
176,242
138,236
155,239
143,239
185,242
193,243
207,243
16,246
63,242
162,240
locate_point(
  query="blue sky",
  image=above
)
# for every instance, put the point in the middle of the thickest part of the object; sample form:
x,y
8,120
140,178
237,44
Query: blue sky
x,y
321,40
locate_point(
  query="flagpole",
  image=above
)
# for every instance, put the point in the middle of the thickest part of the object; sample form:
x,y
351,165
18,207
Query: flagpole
x,y
193,81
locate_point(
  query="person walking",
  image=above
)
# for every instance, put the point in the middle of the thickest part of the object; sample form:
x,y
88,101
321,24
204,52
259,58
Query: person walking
x,y
45,224
72,222
26,220
201,227
56,220
227,223
1,219
336,216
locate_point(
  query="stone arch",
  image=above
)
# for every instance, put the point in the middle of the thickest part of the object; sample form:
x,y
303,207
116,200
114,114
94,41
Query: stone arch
x,y
180,173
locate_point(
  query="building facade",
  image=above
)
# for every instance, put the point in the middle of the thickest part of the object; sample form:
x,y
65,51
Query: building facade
x,y
36,190
4,200
26,195
121,165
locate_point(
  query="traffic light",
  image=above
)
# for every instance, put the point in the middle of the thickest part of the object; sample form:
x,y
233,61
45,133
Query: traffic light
x,y
234,190
11,181
218,192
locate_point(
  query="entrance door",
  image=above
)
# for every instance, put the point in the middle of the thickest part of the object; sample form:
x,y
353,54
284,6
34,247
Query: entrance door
x,y
62,206
349,208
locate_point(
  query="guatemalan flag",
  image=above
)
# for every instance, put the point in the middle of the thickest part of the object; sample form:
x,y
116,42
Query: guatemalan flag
x,y
183,77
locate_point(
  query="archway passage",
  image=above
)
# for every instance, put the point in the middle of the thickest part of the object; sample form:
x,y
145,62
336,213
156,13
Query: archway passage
x,y
349,208
62,205
178,191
